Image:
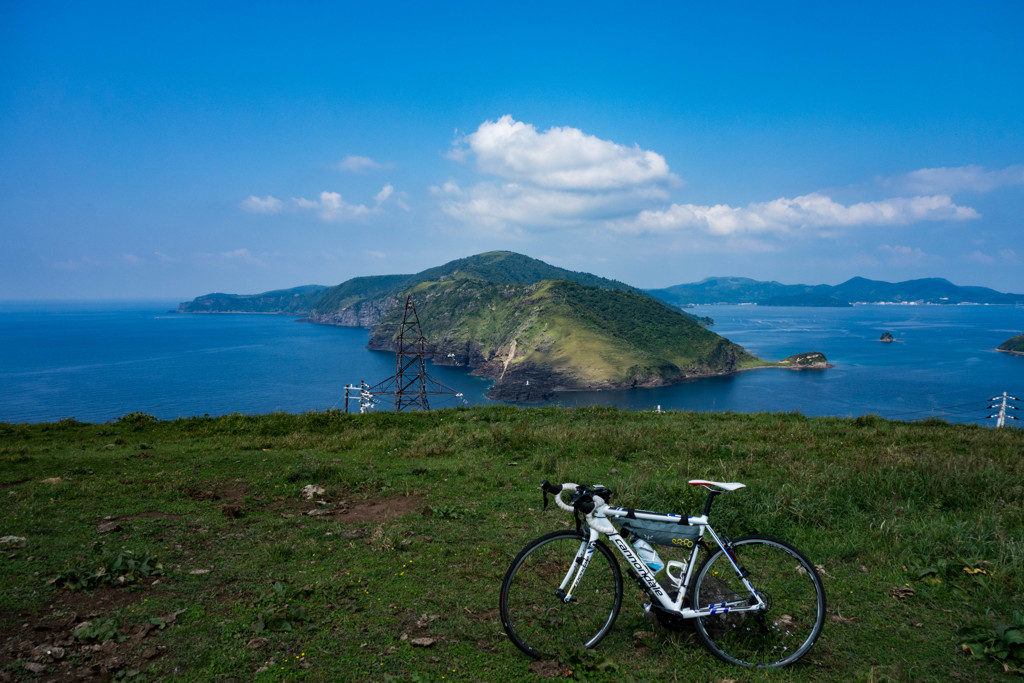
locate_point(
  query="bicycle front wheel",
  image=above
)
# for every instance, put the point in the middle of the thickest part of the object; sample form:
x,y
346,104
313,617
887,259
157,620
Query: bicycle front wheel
x,y
788,583
535,616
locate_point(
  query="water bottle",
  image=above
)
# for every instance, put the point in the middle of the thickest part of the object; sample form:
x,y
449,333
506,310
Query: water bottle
x,y
648,555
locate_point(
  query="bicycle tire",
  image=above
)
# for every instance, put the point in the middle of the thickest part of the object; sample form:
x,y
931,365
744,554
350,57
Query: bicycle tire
x,y
536,619
775,637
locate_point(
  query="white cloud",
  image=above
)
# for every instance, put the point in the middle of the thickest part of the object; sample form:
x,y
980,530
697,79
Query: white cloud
x,y
331,207
903,255
1006,256
131,259
564,178
384,193
376,254
783,215
268,204
358,164
950,180
559,158
501,204
164,259
979,257
561,177
242,255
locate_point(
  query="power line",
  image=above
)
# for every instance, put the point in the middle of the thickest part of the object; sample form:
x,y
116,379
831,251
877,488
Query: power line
x,y
973,405
1003,405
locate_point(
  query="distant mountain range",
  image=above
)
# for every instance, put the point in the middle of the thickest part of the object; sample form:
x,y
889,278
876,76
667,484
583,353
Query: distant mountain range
x,y
738,290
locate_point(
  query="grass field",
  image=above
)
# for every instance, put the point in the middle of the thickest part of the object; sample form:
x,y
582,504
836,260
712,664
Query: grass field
x,y
186,550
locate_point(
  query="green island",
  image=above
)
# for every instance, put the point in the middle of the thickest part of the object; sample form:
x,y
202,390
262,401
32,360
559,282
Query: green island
x,y
533,328
1013,345
361,301
557,335
188,550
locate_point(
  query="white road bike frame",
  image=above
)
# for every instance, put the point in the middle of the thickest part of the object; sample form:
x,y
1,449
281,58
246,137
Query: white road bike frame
x,y
599,524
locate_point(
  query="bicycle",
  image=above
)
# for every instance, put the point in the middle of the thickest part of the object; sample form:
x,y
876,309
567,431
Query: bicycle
x,y
753,601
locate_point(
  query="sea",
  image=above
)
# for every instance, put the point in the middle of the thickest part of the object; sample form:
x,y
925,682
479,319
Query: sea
x,y
97,361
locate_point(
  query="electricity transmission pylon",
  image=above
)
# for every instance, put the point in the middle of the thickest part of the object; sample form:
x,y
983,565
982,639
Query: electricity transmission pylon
x,y
411,385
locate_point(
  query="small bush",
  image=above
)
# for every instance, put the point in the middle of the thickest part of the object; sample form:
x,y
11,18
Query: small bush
x,y
121,570
1004,643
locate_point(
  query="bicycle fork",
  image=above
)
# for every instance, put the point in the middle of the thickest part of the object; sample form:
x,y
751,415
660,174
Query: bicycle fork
x,y
576,569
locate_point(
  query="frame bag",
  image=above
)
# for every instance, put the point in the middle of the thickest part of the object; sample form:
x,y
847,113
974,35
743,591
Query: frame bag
x,y
663,533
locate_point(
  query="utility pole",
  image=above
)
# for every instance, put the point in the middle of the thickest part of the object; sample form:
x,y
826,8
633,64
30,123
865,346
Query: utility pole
x,y
1001,416
365,398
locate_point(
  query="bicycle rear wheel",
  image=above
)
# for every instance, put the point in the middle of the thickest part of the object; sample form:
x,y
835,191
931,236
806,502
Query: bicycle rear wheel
x,y
536,618
777,636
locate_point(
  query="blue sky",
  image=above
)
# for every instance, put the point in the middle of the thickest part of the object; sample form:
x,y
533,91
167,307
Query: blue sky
x,y
167,150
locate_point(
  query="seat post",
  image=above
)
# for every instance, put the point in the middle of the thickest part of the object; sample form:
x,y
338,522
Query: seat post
x,y
707,503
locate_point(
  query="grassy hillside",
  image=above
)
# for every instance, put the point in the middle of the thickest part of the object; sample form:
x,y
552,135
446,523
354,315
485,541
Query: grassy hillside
x,y
217,567
294,301
357,289
494,267
563,335
506,267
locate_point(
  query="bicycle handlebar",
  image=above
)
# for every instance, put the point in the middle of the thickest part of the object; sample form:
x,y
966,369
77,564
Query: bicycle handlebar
x,y
584,499
556,490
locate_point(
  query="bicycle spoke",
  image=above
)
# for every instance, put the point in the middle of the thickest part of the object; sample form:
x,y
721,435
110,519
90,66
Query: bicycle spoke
x,y
537,620
785,580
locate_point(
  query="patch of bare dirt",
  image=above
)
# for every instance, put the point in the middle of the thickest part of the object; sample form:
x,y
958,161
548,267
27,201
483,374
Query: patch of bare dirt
x,y
482,616
33,645
231,491
378,509
418,630
549,669
347,510
102,599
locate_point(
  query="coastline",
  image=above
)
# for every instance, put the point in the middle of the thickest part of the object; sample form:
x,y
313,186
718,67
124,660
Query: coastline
x,y
133,360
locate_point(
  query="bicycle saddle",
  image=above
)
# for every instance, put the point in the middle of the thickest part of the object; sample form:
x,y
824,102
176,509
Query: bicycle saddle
x,y
731,486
